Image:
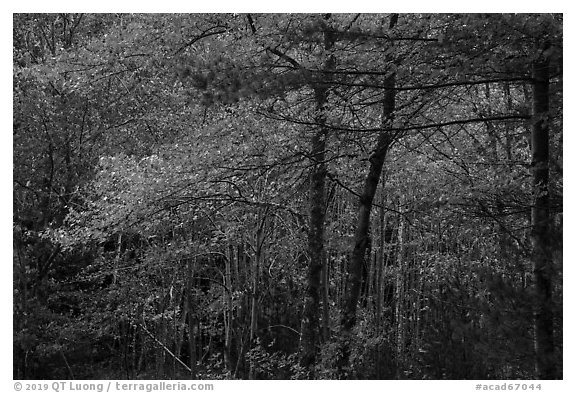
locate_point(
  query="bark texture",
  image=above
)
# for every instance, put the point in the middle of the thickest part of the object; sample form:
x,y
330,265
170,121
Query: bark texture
x,y
541,254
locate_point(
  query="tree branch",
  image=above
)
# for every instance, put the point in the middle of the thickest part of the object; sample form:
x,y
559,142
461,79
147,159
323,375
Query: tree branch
x,y
205,34
422,87
277,116
284,57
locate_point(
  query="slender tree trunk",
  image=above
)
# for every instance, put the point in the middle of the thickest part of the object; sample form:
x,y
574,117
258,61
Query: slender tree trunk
x,y
117,259
380,263
399,297
310,330
361,236
542,257
325,300
255,282
309,338
182,323
229,314
191,319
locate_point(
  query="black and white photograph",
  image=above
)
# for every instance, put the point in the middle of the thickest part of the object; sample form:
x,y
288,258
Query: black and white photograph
x,y
287,196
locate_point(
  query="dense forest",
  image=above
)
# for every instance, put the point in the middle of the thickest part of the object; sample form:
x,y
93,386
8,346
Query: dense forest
x,y
287,196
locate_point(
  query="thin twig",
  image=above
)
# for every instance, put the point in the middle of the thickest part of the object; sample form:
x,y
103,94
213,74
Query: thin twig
x,y
166,349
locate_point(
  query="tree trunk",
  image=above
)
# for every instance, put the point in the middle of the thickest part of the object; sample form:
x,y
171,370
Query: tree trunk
x,y
229,313
309,338
310,330
541,254
255,282
325,300
361,235
117,259
191,320
399,296
259,240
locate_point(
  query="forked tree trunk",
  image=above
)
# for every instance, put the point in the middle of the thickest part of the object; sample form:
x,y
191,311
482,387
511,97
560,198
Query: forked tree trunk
x,y
541,254
361,240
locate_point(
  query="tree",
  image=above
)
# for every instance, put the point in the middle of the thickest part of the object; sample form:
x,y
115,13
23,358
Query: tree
x,y
540,234
361,236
